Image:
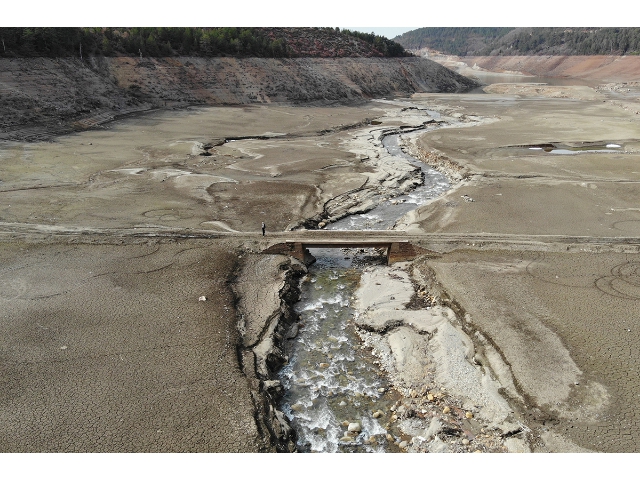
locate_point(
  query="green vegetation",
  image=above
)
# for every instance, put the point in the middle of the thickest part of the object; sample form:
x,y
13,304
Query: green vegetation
x,y
451,40
148,41
525,41
388,47
196,41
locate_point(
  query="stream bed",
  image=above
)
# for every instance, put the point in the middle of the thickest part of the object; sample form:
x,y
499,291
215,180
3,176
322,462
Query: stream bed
x,y
387,213
335,388
330,380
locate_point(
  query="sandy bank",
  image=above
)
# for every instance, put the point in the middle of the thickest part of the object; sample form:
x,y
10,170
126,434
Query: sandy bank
x,y
561,322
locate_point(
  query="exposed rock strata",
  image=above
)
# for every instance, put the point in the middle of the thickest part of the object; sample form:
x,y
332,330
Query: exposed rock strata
x,y
594,67
41,97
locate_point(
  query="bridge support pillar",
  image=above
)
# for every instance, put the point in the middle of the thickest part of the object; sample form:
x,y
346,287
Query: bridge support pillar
x,y
403,252
295,249
400,251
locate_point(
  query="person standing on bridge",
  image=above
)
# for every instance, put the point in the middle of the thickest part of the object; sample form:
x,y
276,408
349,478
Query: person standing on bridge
x,y
264,227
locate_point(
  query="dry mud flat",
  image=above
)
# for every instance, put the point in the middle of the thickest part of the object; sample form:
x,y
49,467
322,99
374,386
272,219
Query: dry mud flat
x,y
174,169
105,344
560,316
551,322
106,348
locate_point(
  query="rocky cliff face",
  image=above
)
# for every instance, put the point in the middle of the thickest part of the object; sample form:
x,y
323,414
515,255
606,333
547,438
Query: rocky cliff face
x,y
40,97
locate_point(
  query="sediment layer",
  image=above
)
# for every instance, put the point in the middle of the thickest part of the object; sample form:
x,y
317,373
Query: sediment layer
x,y
451,399
41,97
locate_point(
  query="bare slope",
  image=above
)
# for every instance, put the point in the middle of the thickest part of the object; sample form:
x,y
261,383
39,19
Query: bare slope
x,y
44,96
605,68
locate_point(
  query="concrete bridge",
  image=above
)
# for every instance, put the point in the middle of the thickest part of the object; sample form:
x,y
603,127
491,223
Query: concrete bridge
x,y
396,251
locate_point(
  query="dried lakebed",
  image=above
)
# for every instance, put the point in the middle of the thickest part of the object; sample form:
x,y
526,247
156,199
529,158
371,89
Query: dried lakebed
x,y
375,363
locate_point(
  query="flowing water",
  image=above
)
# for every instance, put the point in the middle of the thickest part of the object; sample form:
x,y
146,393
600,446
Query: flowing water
x,y
386,214
330,381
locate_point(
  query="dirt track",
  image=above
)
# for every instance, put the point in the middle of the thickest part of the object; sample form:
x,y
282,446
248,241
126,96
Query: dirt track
x,y
120,270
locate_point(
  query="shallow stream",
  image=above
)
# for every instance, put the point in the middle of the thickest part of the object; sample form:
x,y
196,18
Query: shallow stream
x,y
330,380
387,213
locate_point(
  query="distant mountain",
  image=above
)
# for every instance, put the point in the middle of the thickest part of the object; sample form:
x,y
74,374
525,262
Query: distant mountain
x,y
480,41
195,41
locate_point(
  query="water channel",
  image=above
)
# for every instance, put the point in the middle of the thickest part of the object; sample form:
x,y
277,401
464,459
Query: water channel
x,y
330,380
387,213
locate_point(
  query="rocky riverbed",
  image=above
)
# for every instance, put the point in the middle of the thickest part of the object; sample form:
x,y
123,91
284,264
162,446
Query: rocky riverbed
x,y
446,399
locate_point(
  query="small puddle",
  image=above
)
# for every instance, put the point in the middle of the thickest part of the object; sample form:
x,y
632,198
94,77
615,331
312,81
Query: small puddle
x,y
561,149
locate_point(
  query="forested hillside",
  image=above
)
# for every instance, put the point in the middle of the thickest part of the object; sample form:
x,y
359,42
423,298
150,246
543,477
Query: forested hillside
x,y
451,40
195,41
524,41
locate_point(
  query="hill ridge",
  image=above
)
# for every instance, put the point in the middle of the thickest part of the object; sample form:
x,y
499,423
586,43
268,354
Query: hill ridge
x,y
489,41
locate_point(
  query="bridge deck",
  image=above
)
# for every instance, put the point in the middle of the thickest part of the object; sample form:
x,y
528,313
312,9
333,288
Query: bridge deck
x,y
338,243
397,251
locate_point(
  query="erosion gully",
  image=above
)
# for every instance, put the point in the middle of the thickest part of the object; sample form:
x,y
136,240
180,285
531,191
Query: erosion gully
x,y
331,381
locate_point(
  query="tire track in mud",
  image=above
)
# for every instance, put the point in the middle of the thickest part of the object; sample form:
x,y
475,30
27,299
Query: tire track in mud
x,y
624,281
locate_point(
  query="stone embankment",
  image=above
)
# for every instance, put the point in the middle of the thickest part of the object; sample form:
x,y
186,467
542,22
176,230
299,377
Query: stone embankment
x,y
41,97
